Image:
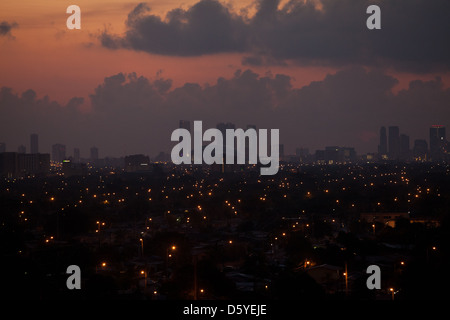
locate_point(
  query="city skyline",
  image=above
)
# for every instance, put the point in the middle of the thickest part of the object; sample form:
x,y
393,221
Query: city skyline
x,y
123,88
127,172
392,146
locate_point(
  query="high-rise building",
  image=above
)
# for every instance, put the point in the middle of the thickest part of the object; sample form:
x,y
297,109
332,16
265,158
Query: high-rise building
x,y
404,147
420,150
383,146
9,164
13,164
21,149
336,154
137,163
76,155
34,164
94,154
2,147
302,154
58,152
394,143
34,143
437,141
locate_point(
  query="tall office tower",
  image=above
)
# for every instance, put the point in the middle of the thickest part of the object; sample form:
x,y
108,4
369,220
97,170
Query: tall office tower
x,y
420,150
383,146
437,141
21,149
404,147
9,164
58,152
94,154
303,154
394,143
76,155
34,144
2,147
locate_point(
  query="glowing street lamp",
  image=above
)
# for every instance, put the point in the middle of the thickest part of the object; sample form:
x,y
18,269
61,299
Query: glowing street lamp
x,y
392,292
168,255
143,273
142,245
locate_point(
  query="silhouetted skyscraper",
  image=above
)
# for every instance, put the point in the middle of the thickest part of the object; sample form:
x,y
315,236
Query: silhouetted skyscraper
x,y
394,143
21,149
404,147
2,147
420,150
58,152
383,146
76,155
34,143
94,154
437,141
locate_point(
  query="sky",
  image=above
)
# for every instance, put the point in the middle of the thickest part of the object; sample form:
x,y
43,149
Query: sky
x,y
310,68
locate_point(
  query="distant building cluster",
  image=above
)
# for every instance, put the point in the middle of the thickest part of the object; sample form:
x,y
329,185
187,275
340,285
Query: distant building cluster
x,y
396,146
20,163
393,146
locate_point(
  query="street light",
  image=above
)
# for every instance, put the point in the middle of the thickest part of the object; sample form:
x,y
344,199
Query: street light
x,y
173,248
392,292
99,225
145,278
142,246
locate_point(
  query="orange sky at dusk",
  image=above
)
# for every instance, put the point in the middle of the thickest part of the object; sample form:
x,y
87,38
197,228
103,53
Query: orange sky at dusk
x,y
47,57
43,55
346,71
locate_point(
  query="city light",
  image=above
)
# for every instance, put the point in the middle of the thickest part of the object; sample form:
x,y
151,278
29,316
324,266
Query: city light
x,y
279,220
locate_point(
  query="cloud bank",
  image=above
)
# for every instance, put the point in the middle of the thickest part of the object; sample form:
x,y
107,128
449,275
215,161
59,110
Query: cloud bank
x,y
414,34
6,27
134,114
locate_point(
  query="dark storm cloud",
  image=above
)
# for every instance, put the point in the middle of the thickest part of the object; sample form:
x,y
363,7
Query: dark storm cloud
x,y
205,28
134,114
23,114
414,34
6,27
